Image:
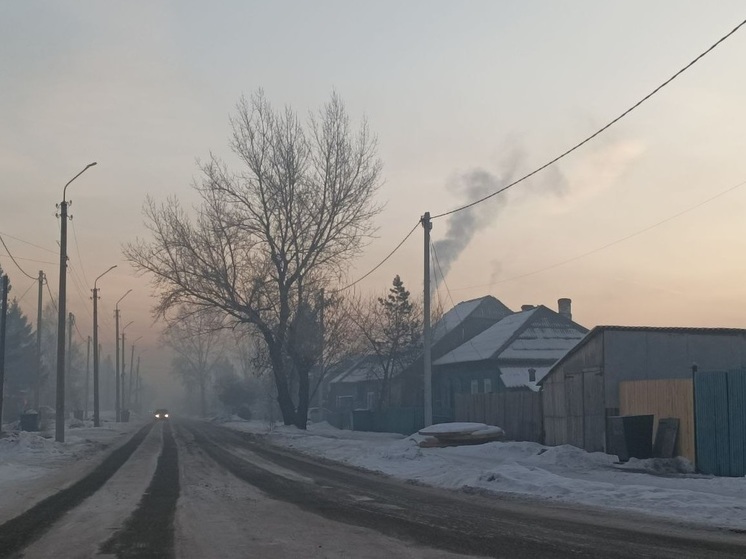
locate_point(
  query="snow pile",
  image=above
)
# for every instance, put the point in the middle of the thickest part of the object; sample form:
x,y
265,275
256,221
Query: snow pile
x,y
566,474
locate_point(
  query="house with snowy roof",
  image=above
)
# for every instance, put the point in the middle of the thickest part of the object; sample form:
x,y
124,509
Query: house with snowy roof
x,y
354,385
514,353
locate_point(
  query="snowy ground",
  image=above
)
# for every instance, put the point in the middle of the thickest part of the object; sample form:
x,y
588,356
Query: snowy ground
x,y
666,488
32,467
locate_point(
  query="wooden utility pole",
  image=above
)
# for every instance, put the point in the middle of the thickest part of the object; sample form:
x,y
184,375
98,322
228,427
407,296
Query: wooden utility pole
x,y
117,411
5,286
70,325
87,378
96,415
37,382
426,335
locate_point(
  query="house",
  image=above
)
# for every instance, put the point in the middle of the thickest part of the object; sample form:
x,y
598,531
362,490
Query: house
x,y
356,386
460,324
514,353
587,385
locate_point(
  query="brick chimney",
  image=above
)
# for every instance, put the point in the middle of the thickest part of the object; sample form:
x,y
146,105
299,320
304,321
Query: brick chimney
x,y
564,307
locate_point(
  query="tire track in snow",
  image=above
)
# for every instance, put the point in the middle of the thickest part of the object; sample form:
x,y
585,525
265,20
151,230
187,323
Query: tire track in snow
x,y
19,532
149,531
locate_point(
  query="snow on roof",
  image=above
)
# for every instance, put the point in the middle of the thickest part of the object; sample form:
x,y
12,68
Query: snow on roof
x,y
543,340
454,317
365,368
485,345
518,377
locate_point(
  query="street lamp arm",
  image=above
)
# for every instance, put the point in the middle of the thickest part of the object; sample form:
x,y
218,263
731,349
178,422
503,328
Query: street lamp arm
x,y
64,190
102,275
120,299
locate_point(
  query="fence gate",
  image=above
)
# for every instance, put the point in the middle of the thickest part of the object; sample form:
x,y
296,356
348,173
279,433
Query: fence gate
x,y
720,422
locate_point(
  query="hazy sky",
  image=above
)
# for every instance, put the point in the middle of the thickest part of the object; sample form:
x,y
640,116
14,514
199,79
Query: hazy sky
x,y
461,96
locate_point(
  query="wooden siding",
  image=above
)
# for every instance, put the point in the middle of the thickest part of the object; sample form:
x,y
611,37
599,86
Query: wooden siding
x,y
517,412
662,398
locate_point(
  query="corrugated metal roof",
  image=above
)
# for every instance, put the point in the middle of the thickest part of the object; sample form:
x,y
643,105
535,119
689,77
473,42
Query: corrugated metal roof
x,y
458,314
485,345
598,330
366,368
542,341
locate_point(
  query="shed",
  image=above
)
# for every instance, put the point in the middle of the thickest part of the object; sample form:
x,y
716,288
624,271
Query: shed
x,y
583,388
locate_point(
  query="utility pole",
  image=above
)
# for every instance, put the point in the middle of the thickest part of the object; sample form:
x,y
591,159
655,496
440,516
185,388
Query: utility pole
x,y
96,352
3,328
426,335
132,366
37,383
138,387
117,395
117,412
59,427
87,378
70,324
96,417
122,375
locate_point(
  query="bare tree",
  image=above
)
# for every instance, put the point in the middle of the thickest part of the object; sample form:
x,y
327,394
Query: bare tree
x,y
266,240
195,336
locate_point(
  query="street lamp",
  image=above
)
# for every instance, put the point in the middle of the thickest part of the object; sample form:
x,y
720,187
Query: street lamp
x,y
117,399
60,411
121,376
132,363
96,415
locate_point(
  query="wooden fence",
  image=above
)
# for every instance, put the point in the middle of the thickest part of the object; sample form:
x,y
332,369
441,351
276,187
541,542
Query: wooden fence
x,y
517,412
662,398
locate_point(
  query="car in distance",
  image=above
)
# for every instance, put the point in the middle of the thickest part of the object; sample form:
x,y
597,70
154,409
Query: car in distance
x,y
161,414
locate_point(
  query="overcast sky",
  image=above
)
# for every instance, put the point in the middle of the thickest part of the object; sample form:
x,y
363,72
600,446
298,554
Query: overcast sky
x,y
462,95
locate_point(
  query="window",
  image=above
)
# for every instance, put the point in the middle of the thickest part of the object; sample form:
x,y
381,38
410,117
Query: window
x,y
475,387
487,385
371,400
344,402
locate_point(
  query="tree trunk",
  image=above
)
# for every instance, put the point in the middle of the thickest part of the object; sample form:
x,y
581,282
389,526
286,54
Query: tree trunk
x,y
284,399
301,416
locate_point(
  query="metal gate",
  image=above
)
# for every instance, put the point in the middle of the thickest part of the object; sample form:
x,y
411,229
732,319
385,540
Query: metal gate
x,y
720,422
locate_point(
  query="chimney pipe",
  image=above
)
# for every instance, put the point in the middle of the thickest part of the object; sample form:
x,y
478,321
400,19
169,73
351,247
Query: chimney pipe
x,y
564,306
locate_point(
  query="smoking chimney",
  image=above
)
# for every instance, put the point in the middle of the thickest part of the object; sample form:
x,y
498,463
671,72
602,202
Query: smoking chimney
x,y
564,306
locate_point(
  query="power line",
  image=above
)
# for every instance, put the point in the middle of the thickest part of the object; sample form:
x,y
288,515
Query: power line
x,y
604,128
381,263
448,291
612,243
51,297
77,249
14,260
28,243
24,293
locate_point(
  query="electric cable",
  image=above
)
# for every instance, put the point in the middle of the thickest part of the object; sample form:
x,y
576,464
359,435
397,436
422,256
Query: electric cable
x,y
14,260
381,263
28,243
448,291
612,243
599,131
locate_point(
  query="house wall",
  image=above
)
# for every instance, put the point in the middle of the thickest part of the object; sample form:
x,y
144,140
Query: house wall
x,y
641,355
572,399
